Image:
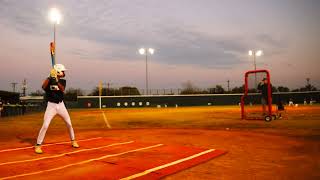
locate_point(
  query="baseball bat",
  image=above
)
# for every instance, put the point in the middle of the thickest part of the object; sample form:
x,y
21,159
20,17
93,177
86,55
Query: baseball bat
x,y
52,53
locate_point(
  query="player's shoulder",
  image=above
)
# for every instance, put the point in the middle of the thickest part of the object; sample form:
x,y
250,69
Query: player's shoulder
x,y
63,80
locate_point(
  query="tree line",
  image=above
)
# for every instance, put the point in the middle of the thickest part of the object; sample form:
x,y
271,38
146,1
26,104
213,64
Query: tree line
x,y
190,88
187,88
72,93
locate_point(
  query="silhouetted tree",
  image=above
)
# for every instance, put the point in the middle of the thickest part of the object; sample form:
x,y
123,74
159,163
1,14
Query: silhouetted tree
x,y
129,90
308,87
95,92
37,93
274,89
295,90
217,90
188,88
115,92
72,94
238,89
77,91
283,89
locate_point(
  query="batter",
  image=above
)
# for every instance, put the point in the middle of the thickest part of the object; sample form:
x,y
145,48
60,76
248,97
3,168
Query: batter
x,y
54,87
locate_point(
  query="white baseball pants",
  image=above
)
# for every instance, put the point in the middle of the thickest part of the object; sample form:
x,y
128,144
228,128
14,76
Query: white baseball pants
x,y
52,110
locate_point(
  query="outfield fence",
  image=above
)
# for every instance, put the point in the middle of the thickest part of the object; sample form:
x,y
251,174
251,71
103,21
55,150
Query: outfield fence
x,y
179,100
17,109
35,104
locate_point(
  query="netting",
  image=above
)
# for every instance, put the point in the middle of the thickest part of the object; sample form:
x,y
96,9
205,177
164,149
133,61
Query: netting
x,y
255,105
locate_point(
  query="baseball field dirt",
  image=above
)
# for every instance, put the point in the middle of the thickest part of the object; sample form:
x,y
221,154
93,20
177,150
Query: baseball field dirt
x,y
287,148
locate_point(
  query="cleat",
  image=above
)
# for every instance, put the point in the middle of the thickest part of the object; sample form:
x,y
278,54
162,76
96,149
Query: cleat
x,y
74,144
37,149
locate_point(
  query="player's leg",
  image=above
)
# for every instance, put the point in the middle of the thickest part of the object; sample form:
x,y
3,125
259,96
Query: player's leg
x,y
264,104
63,112
48,116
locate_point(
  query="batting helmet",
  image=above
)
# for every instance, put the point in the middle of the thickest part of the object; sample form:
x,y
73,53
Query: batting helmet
x,y
59,68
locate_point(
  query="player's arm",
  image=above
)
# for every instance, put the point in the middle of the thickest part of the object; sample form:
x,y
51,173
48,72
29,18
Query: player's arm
x,y
62,84
260,86
45,84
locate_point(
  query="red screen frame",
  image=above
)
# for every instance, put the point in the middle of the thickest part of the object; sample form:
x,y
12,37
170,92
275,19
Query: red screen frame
x,y
243,114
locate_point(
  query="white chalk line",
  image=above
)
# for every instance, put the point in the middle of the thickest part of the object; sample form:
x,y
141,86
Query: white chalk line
x,y
80,163
63,154
30,147
106,120
166,165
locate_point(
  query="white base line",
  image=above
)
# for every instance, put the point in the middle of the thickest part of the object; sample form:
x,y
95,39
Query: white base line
x,y
80,163
105,120
30,147
60,155
166,165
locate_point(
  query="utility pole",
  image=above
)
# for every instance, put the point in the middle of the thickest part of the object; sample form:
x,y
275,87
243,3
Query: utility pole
x,y
24,87
308,84
100,93
228,85
108,84
14,84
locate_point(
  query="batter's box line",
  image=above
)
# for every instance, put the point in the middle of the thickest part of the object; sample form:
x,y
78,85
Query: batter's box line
x,y
81,162
153,170
51,144
66,154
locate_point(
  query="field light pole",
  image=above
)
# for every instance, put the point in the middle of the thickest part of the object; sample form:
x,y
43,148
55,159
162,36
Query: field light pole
x,y
146,51
255,53
55,18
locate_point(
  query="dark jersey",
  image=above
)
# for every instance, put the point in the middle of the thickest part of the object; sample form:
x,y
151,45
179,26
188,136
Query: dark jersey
x,y
263,88
53,93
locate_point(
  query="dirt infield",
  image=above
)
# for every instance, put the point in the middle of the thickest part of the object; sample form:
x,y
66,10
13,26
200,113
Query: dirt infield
x,y
283,149
101,158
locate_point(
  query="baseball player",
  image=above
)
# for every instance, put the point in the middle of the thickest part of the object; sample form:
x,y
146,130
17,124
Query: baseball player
x,y
54,87
263,88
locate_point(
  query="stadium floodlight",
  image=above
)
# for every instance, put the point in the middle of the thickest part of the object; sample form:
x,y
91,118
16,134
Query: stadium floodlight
x,y
151,51
259,53
255,54
142,51
146,51
55,15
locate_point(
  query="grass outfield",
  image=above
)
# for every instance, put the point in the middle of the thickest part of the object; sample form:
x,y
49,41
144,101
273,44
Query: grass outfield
x,y
298,119
288,148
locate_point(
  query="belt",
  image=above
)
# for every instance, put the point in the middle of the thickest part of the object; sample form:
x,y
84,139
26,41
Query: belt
x,y
56,102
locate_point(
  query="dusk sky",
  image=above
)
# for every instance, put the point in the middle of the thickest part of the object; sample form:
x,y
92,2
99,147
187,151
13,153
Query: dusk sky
x,y
204,41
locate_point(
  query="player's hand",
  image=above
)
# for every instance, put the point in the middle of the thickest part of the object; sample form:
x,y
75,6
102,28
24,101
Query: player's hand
x,y
54,74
